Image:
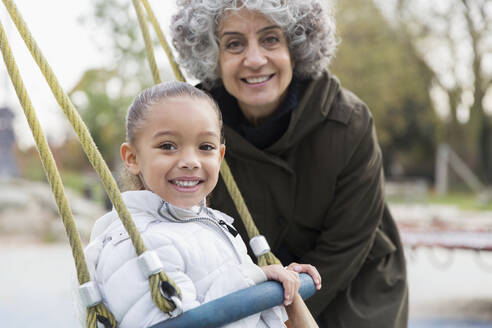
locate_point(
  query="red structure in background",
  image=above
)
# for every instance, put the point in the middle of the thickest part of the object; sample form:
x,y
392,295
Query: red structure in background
x,y
446,236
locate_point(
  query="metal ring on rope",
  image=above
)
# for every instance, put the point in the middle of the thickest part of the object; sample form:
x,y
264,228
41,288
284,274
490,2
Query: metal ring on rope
x,y
171,294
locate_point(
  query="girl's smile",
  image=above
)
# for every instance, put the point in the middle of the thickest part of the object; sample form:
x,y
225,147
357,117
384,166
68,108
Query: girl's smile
x,y
186,184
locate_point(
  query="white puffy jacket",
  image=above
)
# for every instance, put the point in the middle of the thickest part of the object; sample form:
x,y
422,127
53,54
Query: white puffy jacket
x,y
196,248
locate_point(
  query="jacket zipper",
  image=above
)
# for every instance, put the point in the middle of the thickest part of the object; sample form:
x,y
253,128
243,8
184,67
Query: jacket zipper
x,y
220,224
230,228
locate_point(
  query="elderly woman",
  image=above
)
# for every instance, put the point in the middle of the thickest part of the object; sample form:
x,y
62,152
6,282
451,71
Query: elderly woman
x,y
302,149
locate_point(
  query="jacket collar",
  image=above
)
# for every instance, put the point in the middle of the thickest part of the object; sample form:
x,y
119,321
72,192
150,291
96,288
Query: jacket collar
x,y
313,107
138,201
147,201
144,201
269,131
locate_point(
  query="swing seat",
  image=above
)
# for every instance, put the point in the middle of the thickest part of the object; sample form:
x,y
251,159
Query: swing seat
x,y
237,305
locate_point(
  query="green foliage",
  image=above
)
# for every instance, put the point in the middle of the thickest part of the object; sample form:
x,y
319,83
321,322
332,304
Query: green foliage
x,y
374,64
74,180
117,19
452,39
33,169
103,94
87,184
76,172
102,111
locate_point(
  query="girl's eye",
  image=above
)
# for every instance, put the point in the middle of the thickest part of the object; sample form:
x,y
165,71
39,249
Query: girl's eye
x,y
167,146
207,147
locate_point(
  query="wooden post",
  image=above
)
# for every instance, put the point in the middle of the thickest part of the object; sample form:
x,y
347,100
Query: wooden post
x,y
442,159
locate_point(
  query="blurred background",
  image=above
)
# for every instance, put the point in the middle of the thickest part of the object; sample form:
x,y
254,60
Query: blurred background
x,y
423,67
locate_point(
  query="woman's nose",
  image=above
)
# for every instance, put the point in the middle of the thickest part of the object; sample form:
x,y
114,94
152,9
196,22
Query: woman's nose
x,y
254,56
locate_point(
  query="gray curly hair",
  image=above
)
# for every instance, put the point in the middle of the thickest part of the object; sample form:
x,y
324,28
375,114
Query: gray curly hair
x,y
309,29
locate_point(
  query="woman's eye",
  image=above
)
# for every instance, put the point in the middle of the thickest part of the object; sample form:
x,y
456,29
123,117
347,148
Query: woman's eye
x,y
271,40
207,147
167,146
234,46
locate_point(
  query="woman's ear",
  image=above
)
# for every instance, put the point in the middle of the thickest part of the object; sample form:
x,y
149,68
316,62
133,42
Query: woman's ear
x,y
129,158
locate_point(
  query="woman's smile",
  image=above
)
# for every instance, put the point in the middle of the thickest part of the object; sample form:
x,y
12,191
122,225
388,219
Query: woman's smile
x,y
257,80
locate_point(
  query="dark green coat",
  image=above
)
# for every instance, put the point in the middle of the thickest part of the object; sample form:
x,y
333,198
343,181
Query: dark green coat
x,y
318,192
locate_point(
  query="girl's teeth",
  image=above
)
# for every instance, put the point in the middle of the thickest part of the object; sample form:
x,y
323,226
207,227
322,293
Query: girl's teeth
x,y
186,183
257,79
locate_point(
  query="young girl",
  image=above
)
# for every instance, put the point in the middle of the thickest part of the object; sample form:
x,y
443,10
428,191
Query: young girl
x,y
172,155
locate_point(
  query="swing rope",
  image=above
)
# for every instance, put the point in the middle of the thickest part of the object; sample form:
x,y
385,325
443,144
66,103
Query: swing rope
x,y
160,35
56,184
149,49
251,229
93,154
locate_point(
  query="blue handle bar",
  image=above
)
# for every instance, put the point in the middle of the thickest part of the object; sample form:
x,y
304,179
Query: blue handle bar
x,y
237,305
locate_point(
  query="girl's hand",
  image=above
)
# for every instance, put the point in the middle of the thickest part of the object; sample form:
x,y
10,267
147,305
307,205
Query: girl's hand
x,y
289,279
309,269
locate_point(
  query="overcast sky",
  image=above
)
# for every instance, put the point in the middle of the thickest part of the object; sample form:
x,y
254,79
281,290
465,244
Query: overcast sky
x,y
69,47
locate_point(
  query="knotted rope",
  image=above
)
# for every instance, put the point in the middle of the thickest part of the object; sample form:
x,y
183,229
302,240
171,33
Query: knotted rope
x,y
92,153
225,171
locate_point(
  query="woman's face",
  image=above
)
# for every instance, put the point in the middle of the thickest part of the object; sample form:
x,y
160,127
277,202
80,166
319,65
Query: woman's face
x,y
254,62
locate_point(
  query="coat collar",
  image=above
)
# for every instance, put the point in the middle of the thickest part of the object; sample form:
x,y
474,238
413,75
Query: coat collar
x,y
314,106
269,131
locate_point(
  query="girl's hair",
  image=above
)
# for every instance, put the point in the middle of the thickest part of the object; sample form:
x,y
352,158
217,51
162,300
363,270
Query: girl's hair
x,y
137,114
308,27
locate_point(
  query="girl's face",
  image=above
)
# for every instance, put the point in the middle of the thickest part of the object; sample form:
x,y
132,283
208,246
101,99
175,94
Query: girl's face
x,y
254,62
178,150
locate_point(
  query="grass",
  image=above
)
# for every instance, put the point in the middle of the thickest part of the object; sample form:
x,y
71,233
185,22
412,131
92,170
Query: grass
x,y
463,200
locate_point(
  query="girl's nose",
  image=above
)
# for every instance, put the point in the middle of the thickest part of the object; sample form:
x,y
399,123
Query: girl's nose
x,y
189,160
254,56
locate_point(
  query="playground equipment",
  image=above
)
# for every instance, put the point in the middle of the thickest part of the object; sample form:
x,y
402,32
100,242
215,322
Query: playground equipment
x,y
450,237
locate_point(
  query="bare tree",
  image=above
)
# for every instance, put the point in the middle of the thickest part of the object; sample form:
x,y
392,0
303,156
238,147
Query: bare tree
x,y
453,42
